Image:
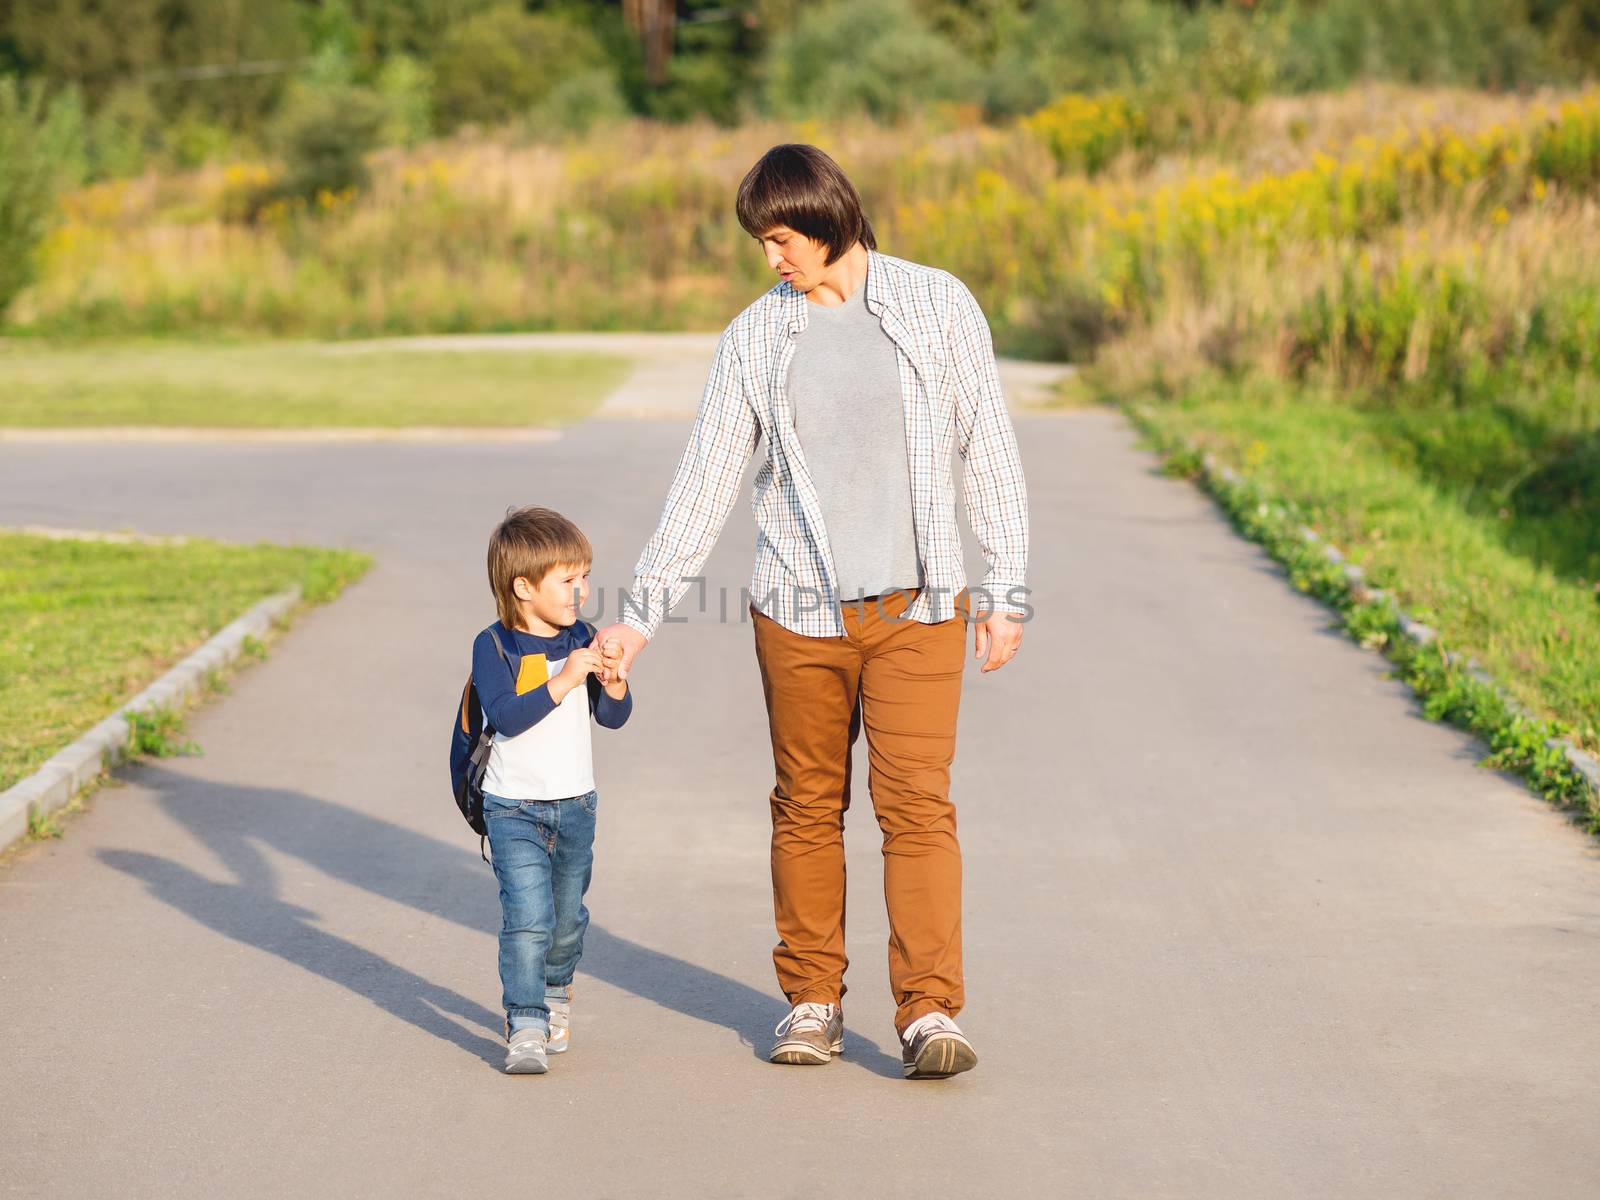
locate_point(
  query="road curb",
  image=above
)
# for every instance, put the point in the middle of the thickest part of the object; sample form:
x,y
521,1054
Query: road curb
x,y
96,535
69,771
1587,767
314,436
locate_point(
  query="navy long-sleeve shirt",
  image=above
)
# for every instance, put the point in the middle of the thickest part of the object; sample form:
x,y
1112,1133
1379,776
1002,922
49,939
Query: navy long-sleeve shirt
x,y
541,749
512,714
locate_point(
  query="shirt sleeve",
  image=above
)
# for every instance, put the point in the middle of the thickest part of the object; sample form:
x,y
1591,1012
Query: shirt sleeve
x,y
701,495
992,485
508,712
609,713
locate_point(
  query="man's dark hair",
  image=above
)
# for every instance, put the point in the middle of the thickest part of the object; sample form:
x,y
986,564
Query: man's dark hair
x,y
800,186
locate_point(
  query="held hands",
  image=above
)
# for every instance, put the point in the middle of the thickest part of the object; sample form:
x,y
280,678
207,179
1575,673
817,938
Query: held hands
x,y
602,658
609,673
618,644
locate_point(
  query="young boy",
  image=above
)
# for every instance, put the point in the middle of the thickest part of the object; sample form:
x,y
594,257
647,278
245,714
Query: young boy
x,y
538,784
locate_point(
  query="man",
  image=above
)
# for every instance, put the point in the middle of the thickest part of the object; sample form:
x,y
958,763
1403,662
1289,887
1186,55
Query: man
x,y
865,372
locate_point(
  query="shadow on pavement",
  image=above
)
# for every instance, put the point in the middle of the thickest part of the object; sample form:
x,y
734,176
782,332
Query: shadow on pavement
x,y
706,996
416,870
269,924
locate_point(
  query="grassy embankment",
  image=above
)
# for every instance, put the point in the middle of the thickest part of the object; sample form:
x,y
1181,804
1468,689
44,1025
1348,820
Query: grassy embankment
x,y
293,384
1401,341
85,625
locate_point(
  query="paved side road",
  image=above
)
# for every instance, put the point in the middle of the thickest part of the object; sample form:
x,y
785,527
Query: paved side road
x,y
1240,922
669,369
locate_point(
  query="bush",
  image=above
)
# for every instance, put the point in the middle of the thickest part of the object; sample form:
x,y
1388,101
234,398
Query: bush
x,y
194,140
882,59
123,132
1566,480
1239,57
1076,46
502,62
324,136
1484,42
41,154
1086,132
406,89
579,102
1069,324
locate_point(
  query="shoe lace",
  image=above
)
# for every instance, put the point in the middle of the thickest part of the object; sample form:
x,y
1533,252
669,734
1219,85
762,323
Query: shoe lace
x,y
804,1017
927,1023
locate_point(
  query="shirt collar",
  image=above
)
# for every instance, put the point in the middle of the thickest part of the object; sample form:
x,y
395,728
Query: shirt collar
x,y
880,294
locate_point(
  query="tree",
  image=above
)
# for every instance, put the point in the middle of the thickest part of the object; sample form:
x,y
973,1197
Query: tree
x,y
883,59
503,61
41,147
653,21
91,44
230,33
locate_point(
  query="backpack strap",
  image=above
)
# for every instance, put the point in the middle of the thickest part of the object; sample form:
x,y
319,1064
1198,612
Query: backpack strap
x,y
505,658
500,646
488,725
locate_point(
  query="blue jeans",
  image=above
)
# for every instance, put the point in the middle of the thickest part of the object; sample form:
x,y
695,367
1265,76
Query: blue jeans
x,y
543,854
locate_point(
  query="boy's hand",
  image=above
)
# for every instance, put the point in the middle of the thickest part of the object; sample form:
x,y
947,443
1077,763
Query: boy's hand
x,y
580,662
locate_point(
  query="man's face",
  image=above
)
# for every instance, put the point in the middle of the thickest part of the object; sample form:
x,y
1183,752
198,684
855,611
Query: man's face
x,y
794,257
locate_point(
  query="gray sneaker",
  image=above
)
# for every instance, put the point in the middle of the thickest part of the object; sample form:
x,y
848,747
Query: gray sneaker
x,y
809,1036
525,1052
933,1048
560,1020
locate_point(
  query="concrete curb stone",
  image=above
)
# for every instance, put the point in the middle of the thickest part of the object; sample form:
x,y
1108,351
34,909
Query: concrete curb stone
x,y
332,434
1581,761
70,770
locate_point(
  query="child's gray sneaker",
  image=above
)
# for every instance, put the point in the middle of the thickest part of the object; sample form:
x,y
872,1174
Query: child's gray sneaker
x,y
932,1047
809,1036
525,1053
560,1020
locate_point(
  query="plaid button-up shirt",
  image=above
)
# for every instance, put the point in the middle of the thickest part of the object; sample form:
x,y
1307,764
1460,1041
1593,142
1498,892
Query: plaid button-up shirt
x,y
950,388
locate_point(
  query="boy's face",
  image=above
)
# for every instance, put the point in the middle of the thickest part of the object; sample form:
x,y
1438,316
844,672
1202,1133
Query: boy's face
x,y
560,594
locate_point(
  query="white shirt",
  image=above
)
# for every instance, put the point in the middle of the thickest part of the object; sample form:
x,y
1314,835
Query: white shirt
x,y
552,759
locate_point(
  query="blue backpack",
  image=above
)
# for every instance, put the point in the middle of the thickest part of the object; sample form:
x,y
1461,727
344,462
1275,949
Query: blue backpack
x,y
470,736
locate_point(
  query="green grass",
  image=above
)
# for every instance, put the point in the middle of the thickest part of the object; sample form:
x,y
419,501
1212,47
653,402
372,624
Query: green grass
x,y
293,385
158,732
1467,573
85,625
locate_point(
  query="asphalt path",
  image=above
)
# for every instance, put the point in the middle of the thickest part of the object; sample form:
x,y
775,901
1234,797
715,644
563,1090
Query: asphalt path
x,y
1239,921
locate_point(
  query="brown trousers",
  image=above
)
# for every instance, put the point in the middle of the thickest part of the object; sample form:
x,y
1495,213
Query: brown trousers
x,y
902,680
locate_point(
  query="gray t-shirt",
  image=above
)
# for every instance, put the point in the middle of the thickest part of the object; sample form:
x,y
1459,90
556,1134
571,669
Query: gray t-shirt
x,y
844,388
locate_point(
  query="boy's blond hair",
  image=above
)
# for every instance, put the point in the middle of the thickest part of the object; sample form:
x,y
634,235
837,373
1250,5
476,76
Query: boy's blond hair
x,y
531,542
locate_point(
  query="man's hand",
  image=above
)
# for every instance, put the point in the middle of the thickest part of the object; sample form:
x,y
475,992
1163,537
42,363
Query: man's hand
x,y
610,662
998,637
626,642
